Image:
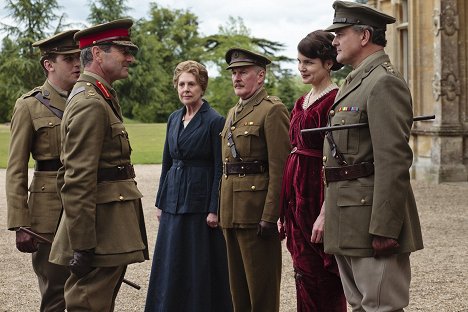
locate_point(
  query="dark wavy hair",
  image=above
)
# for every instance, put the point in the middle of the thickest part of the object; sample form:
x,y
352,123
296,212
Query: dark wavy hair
x,y
318,44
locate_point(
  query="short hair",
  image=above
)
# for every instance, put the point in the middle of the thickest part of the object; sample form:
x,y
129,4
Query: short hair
x,y
194,68
377,34
51,57
318,44
86,55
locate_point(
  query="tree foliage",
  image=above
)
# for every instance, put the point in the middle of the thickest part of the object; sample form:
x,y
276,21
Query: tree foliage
x,y
20,70
165,38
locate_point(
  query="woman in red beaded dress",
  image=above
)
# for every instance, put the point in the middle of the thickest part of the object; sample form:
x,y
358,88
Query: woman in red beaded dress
x,y
318,284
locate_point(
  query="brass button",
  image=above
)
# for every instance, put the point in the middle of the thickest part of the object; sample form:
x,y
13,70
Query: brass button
x,y
363,201
43,188
246,132
252,187
343,121
251,123
332,113
324,159
229,144
88,84
121,197
226,159
233,128
123,131
50,123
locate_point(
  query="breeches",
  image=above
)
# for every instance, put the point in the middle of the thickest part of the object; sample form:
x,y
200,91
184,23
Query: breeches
x,y
96,291
51,278
376,284
254,270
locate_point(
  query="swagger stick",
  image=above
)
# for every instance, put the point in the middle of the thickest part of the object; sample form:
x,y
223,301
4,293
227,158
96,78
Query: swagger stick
x,y
357,125
45,240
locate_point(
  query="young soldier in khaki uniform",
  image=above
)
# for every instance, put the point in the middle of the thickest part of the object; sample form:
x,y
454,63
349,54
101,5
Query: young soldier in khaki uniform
x,y
371,219
255,144
102,228
35,131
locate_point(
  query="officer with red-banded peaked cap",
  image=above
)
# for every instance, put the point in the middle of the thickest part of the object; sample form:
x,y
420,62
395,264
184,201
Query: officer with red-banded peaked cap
x,y
116,32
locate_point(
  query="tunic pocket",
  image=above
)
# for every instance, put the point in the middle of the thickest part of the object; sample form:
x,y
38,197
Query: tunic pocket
x,y
121,135
347,140
47,135
249,198
245,138
355,203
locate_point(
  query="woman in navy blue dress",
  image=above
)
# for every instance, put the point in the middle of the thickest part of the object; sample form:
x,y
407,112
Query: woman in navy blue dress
x,y
189,271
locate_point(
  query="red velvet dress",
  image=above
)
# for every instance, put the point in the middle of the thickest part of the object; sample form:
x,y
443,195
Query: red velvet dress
x,y
318,285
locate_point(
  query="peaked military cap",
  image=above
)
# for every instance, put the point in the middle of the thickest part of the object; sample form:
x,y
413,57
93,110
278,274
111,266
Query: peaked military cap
x,y
352,13
237,57
61,43
116,32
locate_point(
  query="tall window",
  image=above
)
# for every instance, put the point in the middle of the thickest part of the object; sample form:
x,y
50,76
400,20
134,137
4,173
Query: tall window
x,y
403,38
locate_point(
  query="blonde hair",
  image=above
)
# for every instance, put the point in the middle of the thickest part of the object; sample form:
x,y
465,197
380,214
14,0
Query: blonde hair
x,y
194,68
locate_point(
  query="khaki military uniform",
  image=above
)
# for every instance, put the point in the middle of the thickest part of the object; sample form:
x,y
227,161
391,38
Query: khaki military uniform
x,y
382,203
105,216
35,131
260,133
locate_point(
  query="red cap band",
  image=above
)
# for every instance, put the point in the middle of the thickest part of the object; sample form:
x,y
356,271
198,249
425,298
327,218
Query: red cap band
x,y
111,34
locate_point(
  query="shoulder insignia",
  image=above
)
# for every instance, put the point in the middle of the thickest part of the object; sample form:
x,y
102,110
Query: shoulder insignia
x,y
273,99
389,67
103,89
75,92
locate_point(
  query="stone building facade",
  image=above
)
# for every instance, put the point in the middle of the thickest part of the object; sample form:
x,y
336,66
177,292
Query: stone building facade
x,y
429,45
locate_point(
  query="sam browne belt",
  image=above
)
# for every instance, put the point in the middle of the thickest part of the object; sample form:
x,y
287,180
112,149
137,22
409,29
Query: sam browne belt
x,y
349,172
244,167
48,165
122,172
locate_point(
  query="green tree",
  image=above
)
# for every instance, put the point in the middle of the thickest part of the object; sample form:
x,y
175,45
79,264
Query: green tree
x,y
103,11
165,39
20,70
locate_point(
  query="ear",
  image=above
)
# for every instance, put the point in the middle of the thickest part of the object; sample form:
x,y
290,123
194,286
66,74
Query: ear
x,y
48,65
96,51
365,37
261,75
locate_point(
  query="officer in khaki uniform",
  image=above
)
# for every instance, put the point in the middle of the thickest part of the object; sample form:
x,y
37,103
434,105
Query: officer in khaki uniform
x,y
255,144
371,219
35,131
102,228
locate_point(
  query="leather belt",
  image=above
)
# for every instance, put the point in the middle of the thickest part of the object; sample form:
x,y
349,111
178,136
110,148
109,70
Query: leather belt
x,y
123,172
349,172
244,167
48,165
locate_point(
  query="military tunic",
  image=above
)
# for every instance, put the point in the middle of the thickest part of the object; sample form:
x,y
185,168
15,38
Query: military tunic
x,y
105,216
383,203
35,131
260,133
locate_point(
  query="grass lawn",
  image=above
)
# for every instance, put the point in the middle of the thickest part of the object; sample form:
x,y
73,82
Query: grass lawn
x,y
147,142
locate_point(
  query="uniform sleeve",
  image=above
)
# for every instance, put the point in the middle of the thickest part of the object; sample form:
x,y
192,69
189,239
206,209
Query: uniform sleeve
x,y
278,147
83,136
216,128
390,125
22,132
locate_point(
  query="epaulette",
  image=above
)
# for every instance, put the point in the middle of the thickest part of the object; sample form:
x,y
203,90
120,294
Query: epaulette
x,y
273,99
32,92
75,92
389,68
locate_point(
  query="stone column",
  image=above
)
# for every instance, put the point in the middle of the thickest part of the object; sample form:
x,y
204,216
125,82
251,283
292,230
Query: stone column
x,y
446,161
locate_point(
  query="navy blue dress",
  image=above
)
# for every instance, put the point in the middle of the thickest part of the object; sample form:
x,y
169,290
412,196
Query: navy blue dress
x,y
189,271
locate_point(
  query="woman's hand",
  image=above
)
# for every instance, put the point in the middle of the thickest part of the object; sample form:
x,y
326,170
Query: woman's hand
x,y
317,229
212,220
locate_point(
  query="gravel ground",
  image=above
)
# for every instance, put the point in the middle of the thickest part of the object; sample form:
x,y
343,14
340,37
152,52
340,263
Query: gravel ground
x,y
440,271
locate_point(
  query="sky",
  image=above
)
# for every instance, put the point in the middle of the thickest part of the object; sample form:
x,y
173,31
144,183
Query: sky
x,y
282,21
